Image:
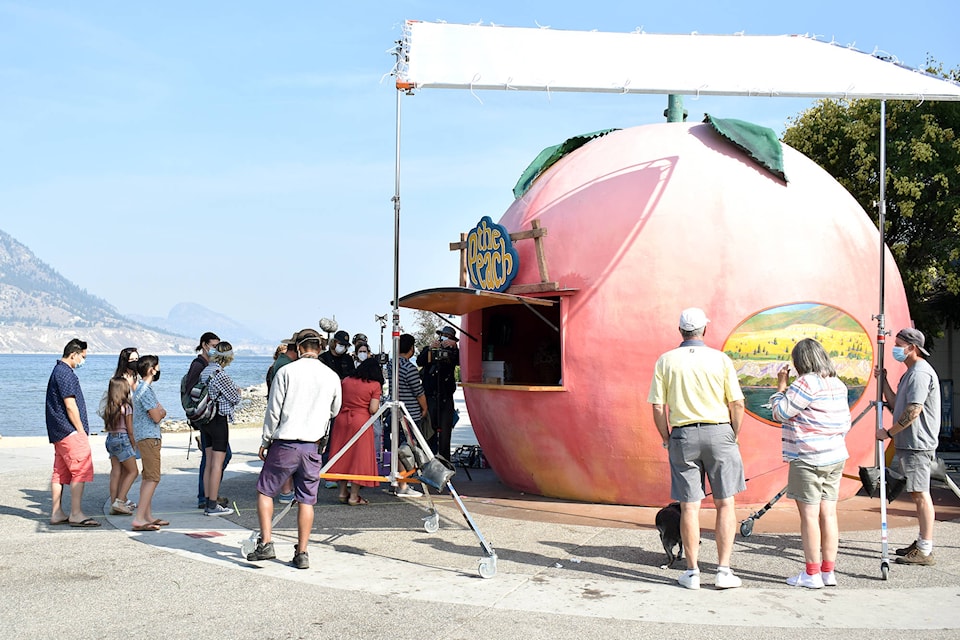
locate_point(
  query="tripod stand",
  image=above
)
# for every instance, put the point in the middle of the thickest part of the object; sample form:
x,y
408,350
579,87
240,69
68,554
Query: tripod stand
x,y
401,418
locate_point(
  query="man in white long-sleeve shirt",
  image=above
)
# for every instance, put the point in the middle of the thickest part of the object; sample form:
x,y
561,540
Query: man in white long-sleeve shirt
x,y
304,396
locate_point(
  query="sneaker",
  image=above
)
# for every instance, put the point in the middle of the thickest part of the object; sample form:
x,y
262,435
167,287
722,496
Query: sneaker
x,y
131,505
217,510
120,509
286,498
689,579
300,560
330,484
202,502
906,550
262,552
916,557
829,578
407,492
804,579
727,580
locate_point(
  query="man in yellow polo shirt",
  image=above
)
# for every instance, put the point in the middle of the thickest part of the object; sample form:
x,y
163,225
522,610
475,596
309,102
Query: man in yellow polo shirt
x,y
697,408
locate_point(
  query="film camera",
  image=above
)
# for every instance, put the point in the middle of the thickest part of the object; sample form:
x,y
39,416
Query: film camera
x,y
442,354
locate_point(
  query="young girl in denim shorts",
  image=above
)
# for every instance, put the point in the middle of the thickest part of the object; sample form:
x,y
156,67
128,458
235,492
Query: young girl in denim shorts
x,y
118,423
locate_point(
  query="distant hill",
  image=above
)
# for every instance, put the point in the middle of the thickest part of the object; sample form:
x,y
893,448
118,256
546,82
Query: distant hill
x,y
40,311
192,319
818,314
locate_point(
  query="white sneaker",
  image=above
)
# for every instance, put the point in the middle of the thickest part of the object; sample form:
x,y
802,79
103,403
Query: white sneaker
x,y
727,580
804,579
829,578
119,508
407,492
690,579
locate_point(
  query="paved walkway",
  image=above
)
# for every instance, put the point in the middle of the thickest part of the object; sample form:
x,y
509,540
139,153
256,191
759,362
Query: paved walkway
x,y
563,565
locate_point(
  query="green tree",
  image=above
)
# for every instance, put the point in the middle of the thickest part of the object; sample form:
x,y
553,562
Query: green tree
x,y
922,186
426,324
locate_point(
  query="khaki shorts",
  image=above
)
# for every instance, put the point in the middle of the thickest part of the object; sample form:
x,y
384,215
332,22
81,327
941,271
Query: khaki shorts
x,y
149,459
809,484
916,467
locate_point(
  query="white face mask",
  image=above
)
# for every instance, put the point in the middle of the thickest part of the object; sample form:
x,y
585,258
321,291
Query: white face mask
x,y
362,356
339,349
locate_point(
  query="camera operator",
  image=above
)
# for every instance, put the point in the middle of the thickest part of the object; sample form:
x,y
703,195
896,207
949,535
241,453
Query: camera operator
x,y
438,363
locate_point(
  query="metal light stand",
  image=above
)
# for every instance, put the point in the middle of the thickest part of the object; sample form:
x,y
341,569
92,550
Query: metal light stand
x,y
488,565
882,334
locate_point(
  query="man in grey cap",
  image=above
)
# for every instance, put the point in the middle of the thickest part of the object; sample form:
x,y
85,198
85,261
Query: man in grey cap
x,y
697,408
915,433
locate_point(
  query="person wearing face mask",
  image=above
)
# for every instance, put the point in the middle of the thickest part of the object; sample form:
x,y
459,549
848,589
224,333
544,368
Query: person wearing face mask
x,y
438,364
227,396
147,414
337,358
68,431
915,433
361,351
207,345
305,395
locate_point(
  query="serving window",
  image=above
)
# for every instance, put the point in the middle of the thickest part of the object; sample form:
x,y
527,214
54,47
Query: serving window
x,y
521,346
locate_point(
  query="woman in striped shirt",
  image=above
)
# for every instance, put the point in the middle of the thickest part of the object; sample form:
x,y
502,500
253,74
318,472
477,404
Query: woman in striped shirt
x,y
815,416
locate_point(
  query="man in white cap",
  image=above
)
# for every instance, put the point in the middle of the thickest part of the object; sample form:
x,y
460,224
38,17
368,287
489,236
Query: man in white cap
x,y
697,408
915,433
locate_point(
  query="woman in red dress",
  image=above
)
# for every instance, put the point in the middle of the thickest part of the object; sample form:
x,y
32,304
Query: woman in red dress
x,y
361,399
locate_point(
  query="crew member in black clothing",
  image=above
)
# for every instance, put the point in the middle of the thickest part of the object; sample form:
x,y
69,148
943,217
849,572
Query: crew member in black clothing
x,y
337,358
437,365
208,342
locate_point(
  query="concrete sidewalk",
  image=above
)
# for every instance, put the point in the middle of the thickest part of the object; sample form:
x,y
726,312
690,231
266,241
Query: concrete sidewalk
x,y
560,565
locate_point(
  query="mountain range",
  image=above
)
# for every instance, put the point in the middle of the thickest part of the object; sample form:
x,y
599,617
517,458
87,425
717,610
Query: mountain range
x,y
41,310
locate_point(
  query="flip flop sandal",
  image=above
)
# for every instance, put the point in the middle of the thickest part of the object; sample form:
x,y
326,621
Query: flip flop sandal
x,y
344,499
59,523
85,524
146,527
360,501
160,523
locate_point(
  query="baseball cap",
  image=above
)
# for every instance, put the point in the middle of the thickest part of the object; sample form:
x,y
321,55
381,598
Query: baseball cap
x,y
342,337
914,337
692,319
306,334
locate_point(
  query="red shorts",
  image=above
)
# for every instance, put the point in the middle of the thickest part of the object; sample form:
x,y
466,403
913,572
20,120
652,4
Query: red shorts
x,y
72,460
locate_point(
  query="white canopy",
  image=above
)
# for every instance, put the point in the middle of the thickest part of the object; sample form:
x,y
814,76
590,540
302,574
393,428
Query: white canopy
x,y
455,56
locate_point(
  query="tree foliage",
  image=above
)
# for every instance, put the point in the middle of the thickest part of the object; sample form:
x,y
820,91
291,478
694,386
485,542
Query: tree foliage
x,y
922,186
426,325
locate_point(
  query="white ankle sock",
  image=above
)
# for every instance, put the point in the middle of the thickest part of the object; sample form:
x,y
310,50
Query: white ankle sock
x,y
925,546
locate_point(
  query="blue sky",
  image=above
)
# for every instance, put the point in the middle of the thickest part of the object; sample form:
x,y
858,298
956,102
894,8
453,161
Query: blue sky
x,y
241,155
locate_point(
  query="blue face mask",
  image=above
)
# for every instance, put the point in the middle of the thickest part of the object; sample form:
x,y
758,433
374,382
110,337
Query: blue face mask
x,y
899,354
80,363
212,352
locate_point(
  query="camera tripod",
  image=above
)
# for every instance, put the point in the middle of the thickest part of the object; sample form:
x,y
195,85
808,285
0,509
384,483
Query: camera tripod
x,y
401,418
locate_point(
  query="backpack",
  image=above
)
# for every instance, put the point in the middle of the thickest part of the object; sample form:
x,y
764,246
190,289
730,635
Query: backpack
x,y
197,404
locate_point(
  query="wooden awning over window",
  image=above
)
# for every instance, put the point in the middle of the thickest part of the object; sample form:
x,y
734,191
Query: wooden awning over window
x,y
460,301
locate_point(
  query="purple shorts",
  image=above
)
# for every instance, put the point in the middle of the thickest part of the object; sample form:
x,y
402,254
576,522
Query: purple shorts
x,y
297,459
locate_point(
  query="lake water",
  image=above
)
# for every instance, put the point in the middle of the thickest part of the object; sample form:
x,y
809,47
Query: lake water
x,y
756,397
23,387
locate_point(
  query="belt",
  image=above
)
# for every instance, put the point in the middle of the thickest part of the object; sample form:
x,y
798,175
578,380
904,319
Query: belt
x,y
699,424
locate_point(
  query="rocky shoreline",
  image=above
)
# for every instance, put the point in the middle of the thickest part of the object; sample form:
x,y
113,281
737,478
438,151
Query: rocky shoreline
x,y
249,414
